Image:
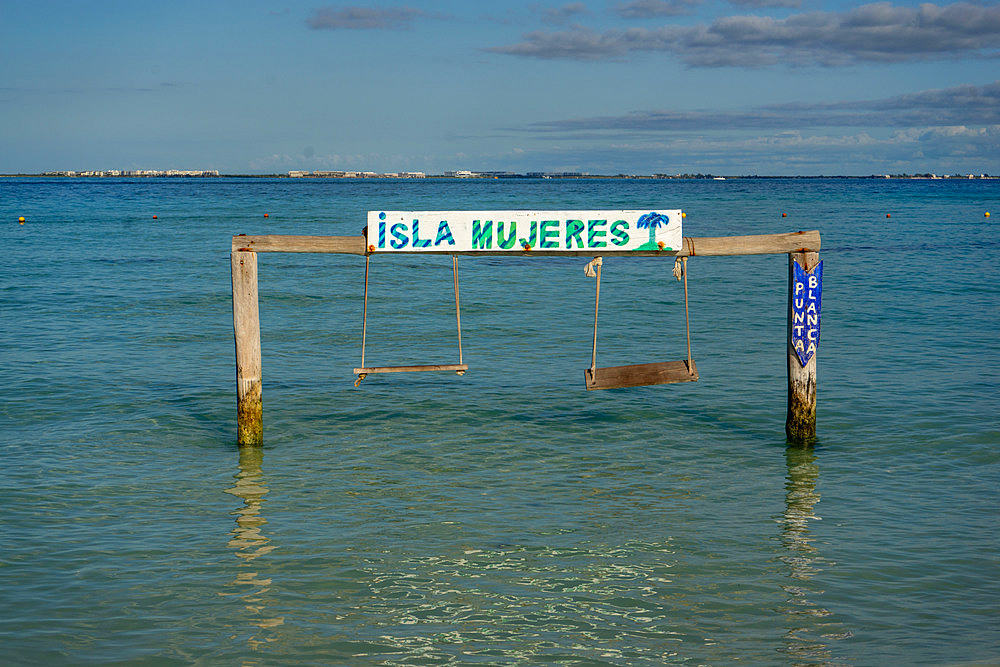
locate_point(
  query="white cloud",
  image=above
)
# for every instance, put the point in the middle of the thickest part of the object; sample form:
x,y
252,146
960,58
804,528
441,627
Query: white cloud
x,y
964,105
647,9
945,150
363,18
878,32
560,15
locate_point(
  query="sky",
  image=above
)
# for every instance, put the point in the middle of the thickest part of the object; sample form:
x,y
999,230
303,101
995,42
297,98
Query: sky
x,y
728,87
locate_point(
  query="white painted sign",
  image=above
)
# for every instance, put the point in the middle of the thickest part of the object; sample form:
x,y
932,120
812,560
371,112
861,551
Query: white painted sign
x,y
517,231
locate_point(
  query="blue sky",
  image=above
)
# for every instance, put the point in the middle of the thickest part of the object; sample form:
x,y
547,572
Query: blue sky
x,y
602,86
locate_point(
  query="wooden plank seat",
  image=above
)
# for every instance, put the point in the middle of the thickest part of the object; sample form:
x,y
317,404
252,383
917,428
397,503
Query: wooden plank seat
x,y
638,375
458,368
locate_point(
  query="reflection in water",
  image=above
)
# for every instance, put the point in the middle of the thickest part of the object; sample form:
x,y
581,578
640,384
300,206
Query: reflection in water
x,y
250,542
808,635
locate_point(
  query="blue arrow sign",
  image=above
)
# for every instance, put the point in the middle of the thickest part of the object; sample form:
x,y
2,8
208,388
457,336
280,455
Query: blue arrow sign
x,y
807,301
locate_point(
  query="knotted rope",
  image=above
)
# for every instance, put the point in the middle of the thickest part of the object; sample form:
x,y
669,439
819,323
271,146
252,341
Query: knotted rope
x,y
593,270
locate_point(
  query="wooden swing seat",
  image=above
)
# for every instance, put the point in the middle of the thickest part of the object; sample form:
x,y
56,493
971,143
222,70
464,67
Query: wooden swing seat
x,y
638,375
460,368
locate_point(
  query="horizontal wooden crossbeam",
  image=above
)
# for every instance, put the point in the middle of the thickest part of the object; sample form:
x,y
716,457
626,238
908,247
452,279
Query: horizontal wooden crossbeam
x,y
762,244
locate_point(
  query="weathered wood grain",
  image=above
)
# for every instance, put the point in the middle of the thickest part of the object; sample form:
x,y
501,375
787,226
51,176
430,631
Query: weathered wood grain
x,y
246,329
412,369
347,245
762,244
637,375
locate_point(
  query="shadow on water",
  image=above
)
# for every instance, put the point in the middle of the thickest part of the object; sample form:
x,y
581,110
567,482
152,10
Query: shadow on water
x,y
808,634
250,543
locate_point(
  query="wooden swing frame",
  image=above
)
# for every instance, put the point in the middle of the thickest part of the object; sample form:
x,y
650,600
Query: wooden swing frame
x,y
801,247
638,375
363,371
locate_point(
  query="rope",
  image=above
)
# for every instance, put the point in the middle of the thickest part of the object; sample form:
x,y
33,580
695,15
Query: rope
x,y
364,324
593,270
687,318
458,308
364,321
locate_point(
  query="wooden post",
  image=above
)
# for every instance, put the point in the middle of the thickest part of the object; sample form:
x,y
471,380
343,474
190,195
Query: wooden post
x,y
800,420
246,327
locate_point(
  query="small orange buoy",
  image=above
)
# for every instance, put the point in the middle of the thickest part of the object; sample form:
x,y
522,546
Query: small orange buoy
x,y
684,215
987,215
265,215
784,215
21,219
154,217
888,215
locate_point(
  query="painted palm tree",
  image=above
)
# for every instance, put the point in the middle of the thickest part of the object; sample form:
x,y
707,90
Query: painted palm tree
x,y
652,221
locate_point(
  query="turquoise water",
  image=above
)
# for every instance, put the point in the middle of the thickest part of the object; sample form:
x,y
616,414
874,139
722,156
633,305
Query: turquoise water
x,y
507,516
